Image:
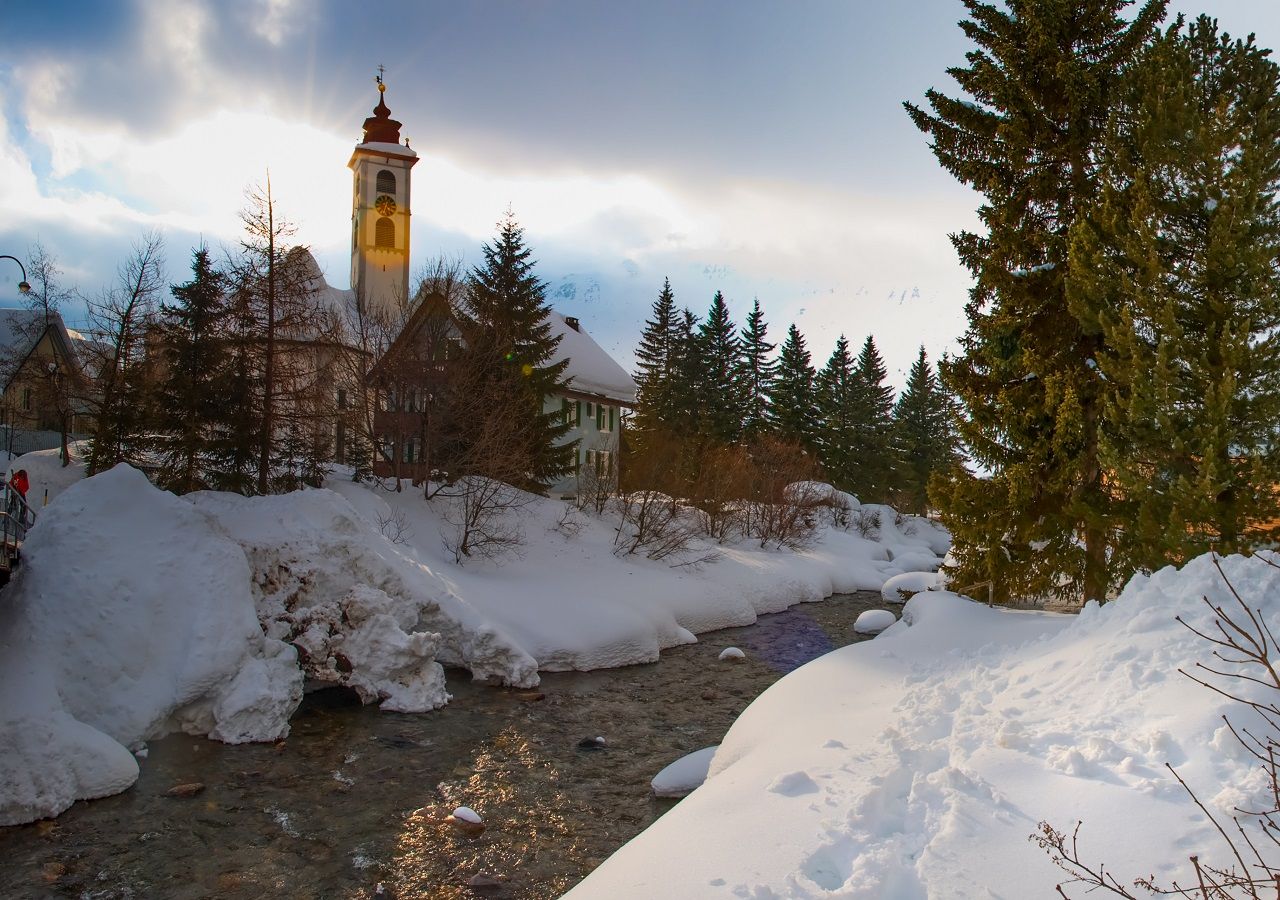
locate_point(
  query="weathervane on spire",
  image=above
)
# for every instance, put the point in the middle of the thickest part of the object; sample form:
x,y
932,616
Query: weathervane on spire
x,y
378,78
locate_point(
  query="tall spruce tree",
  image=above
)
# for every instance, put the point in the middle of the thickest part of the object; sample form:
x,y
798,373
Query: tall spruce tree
x,y
1043,80
1179,261
793,403
924,441
722,395
191,400
684,398
873,426
505,323
838,394
657,358
756,374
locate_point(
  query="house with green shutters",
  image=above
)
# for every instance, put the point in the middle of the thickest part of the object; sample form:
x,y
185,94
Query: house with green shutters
x,y
598,391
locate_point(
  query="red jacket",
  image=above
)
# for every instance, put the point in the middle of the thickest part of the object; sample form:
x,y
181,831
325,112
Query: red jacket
x,y
20,483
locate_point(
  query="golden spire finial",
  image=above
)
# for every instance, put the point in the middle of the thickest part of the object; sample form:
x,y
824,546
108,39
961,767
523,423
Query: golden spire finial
x,y
378,78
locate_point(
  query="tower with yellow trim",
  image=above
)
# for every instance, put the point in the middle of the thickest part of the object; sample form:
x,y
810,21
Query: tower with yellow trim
x,y
380,166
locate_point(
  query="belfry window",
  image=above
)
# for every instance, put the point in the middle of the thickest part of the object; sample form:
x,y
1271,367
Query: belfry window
x,y
387,182
384,233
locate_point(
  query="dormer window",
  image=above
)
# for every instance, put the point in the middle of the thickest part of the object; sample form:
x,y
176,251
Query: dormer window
x,y
387,182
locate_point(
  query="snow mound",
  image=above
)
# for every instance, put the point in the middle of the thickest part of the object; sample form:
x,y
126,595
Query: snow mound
x,y
901,587
873,621
130,618
364,613
46,474
680,777
731,654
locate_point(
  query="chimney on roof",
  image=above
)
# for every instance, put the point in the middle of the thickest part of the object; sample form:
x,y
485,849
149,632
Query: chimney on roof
x,y
572,322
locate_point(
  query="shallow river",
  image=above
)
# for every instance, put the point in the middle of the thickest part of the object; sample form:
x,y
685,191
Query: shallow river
x,y
356,797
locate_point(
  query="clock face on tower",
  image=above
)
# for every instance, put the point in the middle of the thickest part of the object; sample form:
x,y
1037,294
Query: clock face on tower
x,y
385,205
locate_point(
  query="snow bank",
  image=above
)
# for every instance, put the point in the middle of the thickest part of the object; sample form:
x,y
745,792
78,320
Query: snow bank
x,y
131,617
901,587
916,765
364,613
873,621
568,602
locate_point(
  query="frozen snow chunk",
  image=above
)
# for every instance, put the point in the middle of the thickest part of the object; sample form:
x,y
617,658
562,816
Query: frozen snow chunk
x,y
793,784
731,654
467,814
901,588
874,621
682,776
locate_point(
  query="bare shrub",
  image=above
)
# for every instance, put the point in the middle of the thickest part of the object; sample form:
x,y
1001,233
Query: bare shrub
x,y
481,512
784,501
1243,645
722,483
867,523
595,487
570,522
394,526
655,525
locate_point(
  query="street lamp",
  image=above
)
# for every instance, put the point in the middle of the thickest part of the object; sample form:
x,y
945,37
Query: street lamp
x,y
23,287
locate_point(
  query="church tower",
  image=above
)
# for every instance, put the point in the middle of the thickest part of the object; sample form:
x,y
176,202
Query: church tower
x,y
380,210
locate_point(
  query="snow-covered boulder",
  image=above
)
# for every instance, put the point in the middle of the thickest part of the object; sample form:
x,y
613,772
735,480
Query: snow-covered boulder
x,y
682,776
131,617
900,588
873,621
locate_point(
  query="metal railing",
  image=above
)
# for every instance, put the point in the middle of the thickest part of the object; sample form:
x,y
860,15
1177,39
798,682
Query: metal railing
x,y
15,520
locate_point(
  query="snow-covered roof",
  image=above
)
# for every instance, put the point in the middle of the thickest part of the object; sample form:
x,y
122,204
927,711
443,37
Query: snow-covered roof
x,y
324,296
591,370
393,149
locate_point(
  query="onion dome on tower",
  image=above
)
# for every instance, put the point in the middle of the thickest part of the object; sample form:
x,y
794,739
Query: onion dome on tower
x,y
380,128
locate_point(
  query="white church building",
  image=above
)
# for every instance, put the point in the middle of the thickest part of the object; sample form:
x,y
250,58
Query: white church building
x,y
598,387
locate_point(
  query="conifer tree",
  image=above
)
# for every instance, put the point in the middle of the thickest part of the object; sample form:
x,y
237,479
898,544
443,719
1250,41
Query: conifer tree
x,y
838,393
873,425
757,371
1043,80
191,398
722,396
684,398
507,332
657,359
1181,250
924,441
793,404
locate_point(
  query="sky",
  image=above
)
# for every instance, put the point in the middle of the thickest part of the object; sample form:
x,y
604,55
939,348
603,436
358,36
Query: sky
x,y
756,148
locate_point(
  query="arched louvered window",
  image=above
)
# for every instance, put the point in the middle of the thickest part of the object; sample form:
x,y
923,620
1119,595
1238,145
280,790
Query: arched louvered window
x,y
387,182
384,233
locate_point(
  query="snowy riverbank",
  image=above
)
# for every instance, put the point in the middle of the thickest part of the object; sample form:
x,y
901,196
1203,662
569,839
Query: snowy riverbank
x,y
916,765
137,614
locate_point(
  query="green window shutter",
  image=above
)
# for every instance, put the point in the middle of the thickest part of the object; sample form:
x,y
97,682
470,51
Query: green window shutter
x,y
611,418
577,414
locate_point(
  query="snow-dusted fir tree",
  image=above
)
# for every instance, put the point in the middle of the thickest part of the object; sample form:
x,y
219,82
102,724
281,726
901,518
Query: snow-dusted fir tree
x,y
757,371
191,397
1177,266
1041,83
509,344
656,361
873,423
793,404
722,391
924,441
839,396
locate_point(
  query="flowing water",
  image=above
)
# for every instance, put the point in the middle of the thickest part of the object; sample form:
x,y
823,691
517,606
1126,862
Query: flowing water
x,y
357,797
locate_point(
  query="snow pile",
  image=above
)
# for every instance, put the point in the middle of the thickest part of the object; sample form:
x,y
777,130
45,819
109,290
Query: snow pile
x,y
364,613
917,765
682,776
46,474
873,621
131,617
900,588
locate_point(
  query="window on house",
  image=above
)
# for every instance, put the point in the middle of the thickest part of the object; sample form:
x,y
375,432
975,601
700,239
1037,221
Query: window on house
x,y
26,399
411,452
384,233
342,398
387,182
604,417
591,410
571,410
600,462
